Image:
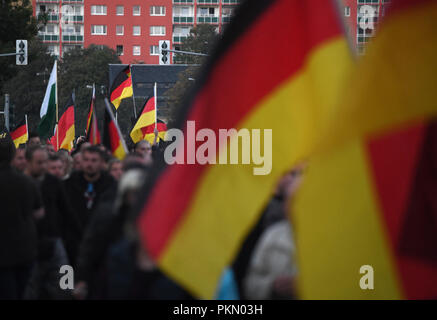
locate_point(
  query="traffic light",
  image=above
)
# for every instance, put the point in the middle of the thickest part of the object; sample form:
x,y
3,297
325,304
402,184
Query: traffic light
x,y
164,55
21,48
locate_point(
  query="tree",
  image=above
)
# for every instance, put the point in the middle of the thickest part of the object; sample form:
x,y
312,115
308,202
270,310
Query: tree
x,y
16,22
80,68
27,87
177,93
201,39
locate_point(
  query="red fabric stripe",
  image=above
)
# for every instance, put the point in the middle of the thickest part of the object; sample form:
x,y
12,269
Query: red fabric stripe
x,y
150,129
88,121
246,73
17,133
119,90
65,123
113,135
393,161
150,105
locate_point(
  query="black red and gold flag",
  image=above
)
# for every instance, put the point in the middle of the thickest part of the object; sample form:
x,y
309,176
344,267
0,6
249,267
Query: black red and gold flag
x,y
144,128
65,130
92,129
290,91
112,138
19,133
121,87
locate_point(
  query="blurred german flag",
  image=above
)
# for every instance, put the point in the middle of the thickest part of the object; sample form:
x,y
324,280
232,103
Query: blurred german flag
x,y
368,197
280,65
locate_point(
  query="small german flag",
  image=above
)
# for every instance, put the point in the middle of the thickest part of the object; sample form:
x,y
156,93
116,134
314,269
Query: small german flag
x,y
112,137
92,129
146,122
121,87
19,133
149,132
65,131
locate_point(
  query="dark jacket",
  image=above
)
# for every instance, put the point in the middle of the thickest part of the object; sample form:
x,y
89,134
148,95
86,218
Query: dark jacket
x,y
105,188
19,198
59,221
104,227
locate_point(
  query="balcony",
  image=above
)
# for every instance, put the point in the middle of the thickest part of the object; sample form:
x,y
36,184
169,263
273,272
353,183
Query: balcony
x,y
47,1
226,19
53,18
208,2
183,1
72,38
206,19
49,37
179,38
183,19
230,2
74,19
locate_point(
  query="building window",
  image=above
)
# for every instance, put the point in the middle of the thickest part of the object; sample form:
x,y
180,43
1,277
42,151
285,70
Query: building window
x,y
347,11
136,50
120,11
157,11
205,12
98,29
181,11
136,30
119,50
136,10
98,10
119,30
154,50
157,31
50,28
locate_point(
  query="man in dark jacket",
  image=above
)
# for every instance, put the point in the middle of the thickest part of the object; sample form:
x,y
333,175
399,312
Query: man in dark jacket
x,y
89,187
21,203
56,230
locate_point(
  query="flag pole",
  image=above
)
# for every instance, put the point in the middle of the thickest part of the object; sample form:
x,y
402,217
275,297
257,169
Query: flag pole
x,y
133,95
94,123
57,109
156,104
27,126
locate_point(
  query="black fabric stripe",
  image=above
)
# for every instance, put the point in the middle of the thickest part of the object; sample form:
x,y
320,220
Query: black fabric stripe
x,y
118,81
20,124
106,136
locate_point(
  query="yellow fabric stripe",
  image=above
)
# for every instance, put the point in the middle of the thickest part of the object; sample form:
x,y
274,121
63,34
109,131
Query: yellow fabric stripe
x,y
337,234
146,119
230,198
69,138
20,140
394,82
120,153
126,93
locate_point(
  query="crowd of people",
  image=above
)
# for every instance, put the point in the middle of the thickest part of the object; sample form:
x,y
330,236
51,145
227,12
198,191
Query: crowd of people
x,y
75,208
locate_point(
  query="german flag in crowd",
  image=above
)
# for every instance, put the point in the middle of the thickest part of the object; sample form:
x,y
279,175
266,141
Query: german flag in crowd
x,y
65,129
112,137
369,197
92,128
145,125
121,88
291,88
19,133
